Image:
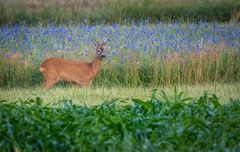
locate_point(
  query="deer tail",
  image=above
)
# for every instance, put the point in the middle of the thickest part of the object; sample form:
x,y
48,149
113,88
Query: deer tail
x,y
42,68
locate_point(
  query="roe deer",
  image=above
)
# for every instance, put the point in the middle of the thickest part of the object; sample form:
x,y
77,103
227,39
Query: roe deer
x,y
81,73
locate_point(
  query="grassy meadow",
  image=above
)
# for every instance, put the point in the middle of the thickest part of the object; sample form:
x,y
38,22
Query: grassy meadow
x,y
98,95
170,80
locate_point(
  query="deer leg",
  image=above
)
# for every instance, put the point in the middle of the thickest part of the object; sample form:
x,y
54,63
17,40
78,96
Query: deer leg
x,y
83,84
44,84
86,84
49,81
48,84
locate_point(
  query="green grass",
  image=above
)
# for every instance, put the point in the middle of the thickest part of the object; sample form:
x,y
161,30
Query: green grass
x,y
33,12
157,124
97,95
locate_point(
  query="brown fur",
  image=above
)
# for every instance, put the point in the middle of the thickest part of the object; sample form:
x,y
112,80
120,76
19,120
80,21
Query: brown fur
x,y
81,73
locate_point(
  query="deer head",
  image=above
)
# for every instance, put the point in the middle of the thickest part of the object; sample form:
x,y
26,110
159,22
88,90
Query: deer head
x,y
100,50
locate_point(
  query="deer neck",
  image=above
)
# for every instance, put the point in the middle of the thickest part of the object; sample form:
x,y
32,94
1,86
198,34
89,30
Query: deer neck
x,y
96,66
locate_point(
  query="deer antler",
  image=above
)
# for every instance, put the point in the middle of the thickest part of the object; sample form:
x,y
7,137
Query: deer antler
x,y
95,44
104,42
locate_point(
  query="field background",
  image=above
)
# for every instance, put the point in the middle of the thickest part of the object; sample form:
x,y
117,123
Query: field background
x,y
112,11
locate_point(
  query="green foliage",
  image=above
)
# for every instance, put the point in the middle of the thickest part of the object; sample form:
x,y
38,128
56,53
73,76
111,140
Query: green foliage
x,y
177,97
168,124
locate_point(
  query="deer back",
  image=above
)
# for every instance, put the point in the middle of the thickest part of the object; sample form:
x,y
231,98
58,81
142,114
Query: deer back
x,y
67,70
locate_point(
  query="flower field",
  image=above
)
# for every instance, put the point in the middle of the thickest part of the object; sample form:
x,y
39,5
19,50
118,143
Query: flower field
x,y
143,36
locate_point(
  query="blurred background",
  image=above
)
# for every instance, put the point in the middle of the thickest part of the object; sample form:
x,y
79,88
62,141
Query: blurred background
x,y
108,11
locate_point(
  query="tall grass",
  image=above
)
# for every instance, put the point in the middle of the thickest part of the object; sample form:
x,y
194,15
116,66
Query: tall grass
x,y
157,124
32,12
18,73
176,68
212,64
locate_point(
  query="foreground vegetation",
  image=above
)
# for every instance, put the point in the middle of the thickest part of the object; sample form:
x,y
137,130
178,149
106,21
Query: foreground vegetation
x,y
97,11
166,124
